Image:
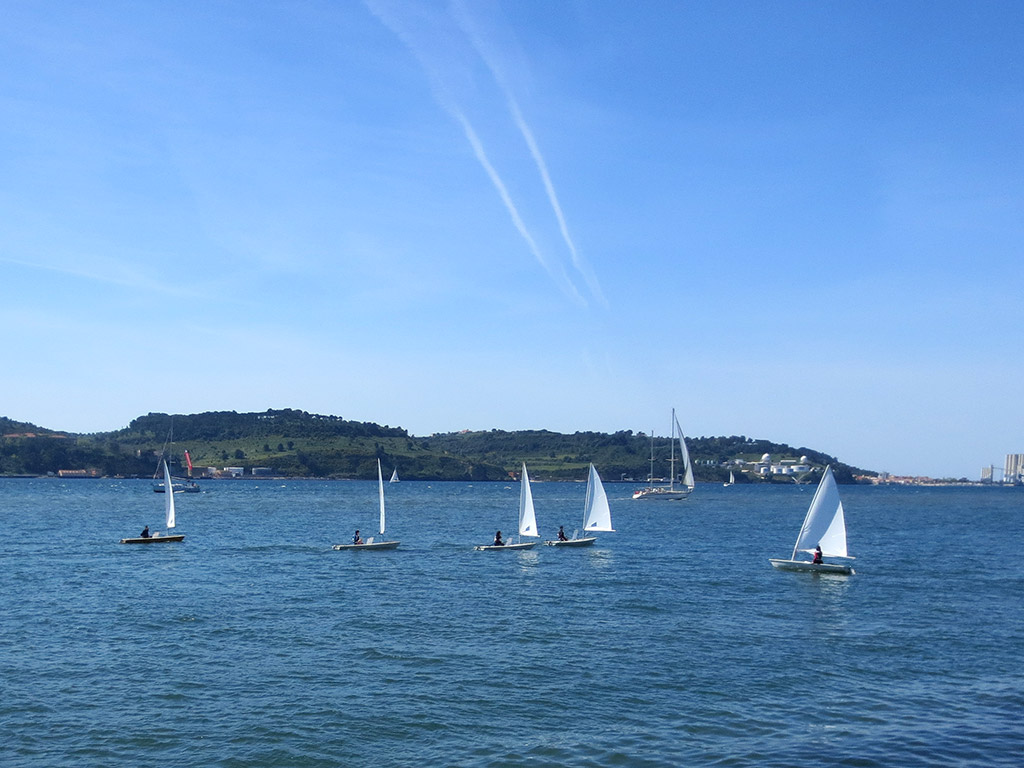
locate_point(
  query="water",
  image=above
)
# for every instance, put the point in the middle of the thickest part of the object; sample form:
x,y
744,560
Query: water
x,y
671,642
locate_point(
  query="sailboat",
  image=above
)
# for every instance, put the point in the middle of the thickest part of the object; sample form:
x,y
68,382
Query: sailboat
x,y
670,492
158,537
597,515
188,486
824,526
527,518
370,543
394,476
732,480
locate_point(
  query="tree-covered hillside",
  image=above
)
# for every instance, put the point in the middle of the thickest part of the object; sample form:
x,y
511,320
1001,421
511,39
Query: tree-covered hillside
x,y
299,444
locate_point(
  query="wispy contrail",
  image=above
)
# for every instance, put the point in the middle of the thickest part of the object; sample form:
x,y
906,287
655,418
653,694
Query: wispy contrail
x,y
118,273
425,49
517,220
581,266
471,29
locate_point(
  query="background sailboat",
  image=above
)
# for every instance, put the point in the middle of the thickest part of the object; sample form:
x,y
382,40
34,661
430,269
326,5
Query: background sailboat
x,y
597,515
394,476
169,519
824,526
527,518
370,543
670,492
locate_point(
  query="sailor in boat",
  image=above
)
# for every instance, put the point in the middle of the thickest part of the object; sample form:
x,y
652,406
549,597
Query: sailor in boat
x,y
497,540
561,534
145,533
357,539
817,555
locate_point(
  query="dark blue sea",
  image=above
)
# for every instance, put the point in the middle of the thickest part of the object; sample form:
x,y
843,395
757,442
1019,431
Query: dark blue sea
x,y
672,642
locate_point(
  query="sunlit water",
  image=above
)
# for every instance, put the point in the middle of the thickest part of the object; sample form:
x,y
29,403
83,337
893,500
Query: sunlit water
x,y
671,642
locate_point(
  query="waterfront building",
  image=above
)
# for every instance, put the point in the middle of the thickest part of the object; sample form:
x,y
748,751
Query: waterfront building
x,y
1014,470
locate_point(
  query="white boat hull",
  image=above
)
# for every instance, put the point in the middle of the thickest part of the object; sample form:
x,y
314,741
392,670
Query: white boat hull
x,y
660,494
585,542
491,547
374,545
804,565
153,539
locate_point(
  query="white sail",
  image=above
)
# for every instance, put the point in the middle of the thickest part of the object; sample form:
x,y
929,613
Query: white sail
x,y
168,496
825,524
380,492
732,478
394,475
597,516
527,517
684,455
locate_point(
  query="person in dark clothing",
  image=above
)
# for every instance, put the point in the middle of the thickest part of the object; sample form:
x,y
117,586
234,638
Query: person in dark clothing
x,y
497,540
817,555
145,533
561,534
357,539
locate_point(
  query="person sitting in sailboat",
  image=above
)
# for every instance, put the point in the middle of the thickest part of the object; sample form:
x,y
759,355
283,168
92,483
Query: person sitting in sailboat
x,y
497,540
357,539
817,555
145,533
561,534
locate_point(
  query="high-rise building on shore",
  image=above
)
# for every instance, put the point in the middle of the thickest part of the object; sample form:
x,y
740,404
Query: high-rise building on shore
x,y
1014,471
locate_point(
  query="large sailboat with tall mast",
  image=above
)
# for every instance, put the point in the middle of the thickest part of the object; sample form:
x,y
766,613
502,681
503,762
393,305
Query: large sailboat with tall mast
x,y
670,492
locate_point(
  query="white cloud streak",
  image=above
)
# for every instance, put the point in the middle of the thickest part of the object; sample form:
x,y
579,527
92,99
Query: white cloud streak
x,y
420,31
478,149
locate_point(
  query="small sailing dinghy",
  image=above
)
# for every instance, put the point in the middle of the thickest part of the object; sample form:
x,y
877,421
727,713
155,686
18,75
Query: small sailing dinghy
x,y
370,543
527,519
732,479
670,492
158,537
597,515
825,527
394,476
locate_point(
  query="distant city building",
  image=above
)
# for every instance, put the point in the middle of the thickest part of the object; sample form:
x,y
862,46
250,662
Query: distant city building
x,y
986,474
1014,470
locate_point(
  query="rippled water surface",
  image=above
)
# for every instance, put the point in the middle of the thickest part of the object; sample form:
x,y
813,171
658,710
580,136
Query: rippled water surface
x,y
670,642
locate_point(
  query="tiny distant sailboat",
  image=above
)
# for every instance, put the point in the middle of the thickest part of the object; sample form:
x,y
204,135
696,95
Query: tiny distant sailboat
x,y
670,492
159,537
597,515
824,526
527,519
370,543
732,480
394,476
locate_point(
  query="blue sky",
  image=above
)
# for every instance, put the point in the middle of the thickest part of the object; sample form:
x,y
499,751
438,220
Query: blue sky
x,y
799,221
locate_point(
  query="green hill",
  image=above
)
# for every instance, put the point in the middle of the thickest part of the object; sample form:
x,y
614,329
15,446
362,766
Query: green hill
x,y
294,443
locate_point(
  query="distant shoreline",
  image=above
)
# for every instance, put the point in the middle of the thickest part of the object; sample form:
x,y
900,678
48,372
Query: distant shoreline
x,y
931,483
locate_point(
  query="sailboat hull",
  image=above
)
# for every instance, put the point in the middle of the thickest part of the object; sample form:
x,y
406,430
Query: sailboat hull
x,y
803,565
372,545
491,547
660,494
585,542
154,539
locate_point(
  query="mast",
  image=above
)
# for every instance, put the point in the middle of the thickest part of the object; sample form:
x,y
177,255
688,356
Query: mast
x,y
672,448
650,477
